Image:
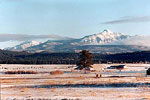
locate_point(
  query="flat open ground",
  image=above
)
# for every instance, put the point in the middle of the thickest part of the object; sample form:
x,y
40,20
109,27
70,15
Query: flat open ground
x,y
130,84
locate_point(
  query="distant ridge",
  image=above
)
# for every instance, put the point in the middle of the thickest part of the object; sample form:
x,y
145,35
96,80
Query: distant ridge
x,y
24,45
96,43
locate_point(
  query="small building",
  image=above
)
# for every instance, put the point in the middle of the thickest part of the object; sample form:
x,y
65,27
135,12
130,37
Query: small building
x,y
116,67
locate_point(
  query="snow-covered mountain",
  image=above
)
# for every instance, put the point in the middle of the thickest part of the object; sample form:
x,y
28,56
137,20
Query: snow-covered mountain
x,y
24,45
104,37
104,42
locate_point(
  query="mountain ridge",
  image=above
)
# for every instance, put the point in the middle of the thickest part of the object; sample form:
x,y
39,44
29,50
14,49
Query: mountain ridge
x,y
104,37
23,46
96,43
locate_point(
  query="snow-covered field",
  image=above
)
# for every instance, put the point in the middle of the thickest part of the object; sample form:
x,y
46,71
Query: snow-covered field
x,y
129,84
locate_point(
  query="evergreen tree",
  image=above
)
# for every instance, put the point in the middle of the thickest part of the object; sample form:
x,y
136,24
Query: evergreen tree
x,y
85,60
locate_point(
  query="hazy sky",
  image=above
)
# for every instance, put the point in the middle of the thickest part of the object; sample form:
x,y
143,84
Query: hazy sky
x,y
72,18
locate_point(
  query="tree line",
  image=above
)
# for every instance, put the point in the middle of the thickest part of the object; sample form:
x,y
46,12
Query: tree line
x,y
11,57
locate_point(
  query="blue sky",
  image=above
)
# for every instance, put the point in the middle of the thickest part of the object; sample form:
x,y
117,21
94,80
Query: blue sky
x,y
72,18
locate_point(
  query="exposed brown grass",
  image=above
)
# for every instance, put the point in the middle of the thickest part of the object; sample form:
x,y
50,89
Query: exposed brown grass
x,y
20,72
57,72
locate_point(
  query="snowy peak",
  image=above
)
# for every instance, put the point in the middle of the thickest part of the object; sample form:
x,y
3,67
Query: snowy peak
x,y
104,37
24,45
107,31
